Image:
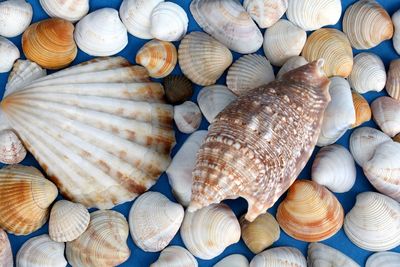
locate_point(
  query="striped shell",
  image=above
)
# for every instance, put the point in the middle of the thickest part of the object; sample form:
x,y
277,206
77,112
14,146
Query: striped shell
x,y
396,35
362,108
385,111
387,259
12,150
265,12
175,256
9,53
234,260
15,17
291,64
320,255
393,79
397,138
6,256
72,10
279,257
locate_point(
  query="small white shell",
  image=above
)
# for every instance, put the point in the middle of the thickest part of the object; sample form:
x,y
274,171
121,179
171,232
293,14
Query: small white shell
x,y
279,257
368,73
320,255
291,64
72,10
169,22
235,260
334,168
175,256
15,17
386,113
383,259
9,53
396,36
101,33
154,220
6,256
283,41
213,99
187,117
266,12
12,151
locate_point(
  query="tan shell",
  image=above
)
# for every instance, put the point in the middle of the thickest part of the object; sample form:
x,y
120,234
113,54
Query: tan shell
x,y
396,35
175,256
291,64
362,108
12,151
397,138
320,255
265,12
178,89
250,130
6,256
279,257
393,79
9,53
385,111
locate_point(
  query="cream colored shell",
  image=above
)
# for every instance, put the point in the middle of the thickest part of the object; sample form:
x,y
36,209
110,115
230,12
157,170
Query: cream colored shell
x,y
187,117
279,257
12,150
9,53
6,256
396,35
234,260
385,111
320,255
265,12
393,79
15,17
175,256
72,10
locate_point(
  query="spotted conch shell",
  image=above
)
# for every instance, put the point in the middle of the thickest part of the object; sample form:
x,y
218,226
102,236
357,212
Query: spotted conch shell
x,y
258,145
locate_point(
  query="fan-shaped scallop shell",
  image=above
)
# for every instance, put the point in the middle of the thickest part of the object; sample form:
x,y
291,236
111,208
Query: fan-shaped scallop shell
x,y
396,35
362,108
279,257
228,22
6,256
321,212
373,223
187,117
15,17
387,258
393,79
103,243
234,260
320,255
72,10
385,111
291,64
9,53
12,150
266,12
178,89
175,256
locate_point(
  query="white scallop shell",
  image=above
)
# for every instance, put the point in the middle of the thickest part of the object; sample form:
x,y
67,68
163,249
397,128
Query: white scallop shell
x,y
385,111
101,33
282,41
279,257
12,151
396,36
72,10
265,12
187,117
6,256
383,259
9,53
235,260
175,256
291,64
15,17
320,255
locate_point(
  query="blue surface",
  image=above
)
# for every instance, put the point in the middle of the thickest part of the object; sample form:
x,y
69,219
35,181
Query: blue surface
x,y
138,257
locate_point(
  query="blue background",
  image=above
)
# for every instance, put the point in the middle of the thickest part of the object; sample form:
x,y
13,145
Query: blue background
x,y
138,257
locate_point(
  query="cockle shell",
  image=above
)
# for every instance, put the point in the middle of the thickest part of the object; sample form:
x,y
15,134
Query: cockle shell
x,y
387,259
385,111
367,24
208,231
312,15
282,41
72,10
202,58
235,260
178,89
158,57
333,46
340,114
9,53
175,256
25,198
393,79
321,212
373,223
279,257
291,64
249,72
101,33
103,243
12,151
15,17
320,255
41,251
6,256
228,22
116,132
266,12
213,99
169,22
180,170
362,109
154,220
68,221
396,35
187,117
261,233
250,130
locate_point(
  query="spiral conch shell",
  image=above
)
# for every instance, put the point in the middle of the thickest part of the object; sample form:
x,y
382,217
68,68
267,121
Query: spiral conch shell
x,y
6,256
250,130
393,79
279,257
15,17
266,12
72,10
380,259
9,53
234,260
385,111
362,109
320,255
175,256
12,150
396,35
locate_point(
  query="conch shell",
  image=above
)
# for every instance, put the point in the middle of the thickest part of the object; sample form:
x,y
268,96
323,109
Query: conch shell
x,y
320,255
6,256
279,257
393,79
265,12
385,111
12,150
175,256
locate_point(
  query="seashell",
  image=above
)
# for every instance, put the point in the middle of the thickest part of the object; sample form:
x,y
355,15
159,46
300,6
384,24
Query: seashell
x,y
279,257
373,223
325,169
41,251
175,256
397,138
154,220
213,99
207,232
291,64
136,16
396,36
103,243
362,108
187,117
169,22
229,23
367,24
265,12
386,258
393,79
386,112
363,143
12,151
50,43
180,170
383,170
250,130
71,10
333,46
320,255
68,221
9,53
261,233
203,59
234,260
25,198
283,41
15,17
368,73
178,89
6,256
116,132
340,114
313,15
101,33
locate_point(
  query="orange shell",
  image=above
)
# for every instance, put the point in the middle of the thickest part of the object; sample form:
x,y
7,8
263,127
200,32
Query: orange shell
x,y
362,108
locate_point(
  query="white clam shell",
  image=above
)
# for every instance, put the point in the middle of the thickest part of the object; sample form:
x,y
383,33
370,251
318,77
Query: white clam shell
x,y
334,168
282,41
393,79
320,255
180,170
374,222
187,117
291,64
6,256
208,231
368,73
101,33
9,53
266,12
383,259
72,10
175,256
12,151
340,114
279,257
235,260
154,220
15,17
169,22
385,111
396,35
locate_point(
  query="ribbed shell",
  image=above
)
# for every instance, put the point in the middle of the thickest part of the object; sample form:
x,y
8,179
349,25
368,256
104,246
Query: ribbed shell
x,y
9,53
362,109
234,260
187,117
320,255
393,79
397,138
25,197
116,133
6,256
270,133
12,150
15,17
178,89
175,256
396,35
72,10
279,257
379,259
265,12
291,64
385,111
